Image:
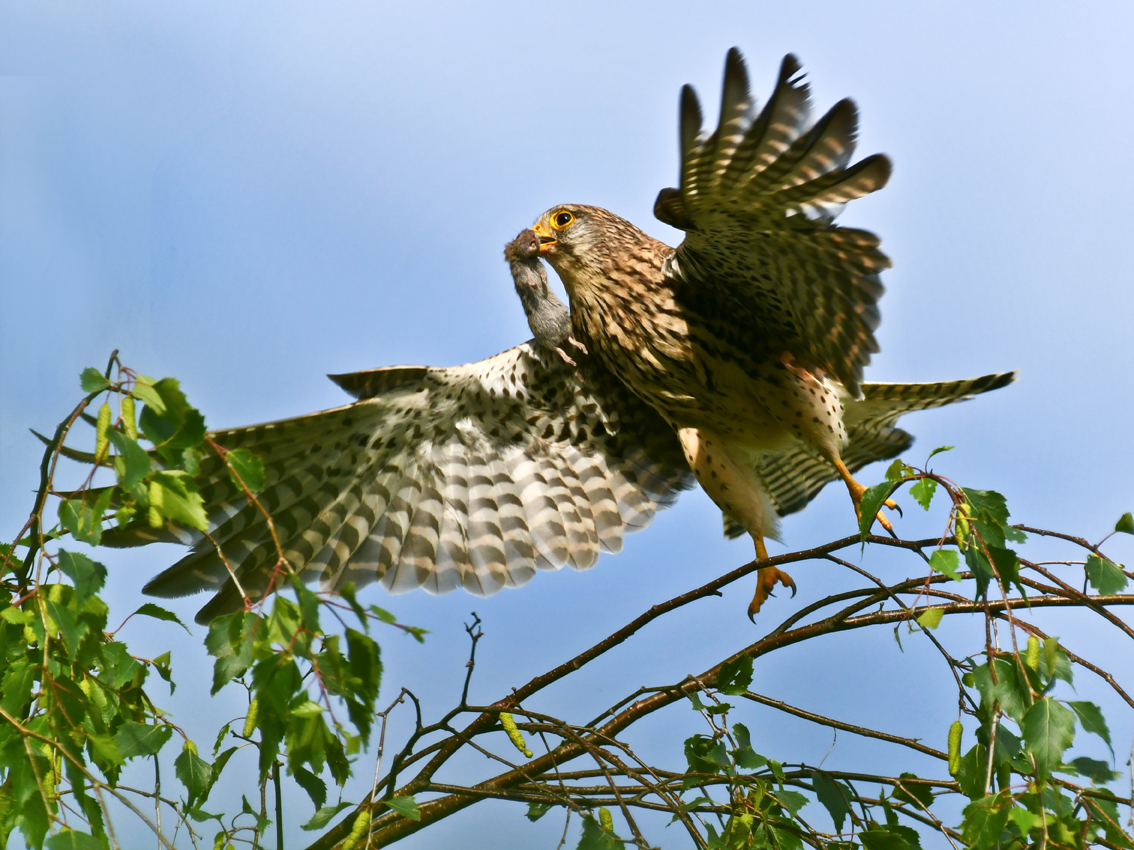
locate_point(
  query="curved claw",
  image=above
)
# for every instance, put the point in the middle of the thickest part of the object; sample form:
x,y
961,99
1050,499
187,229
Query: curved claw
x,y
894,506
766,580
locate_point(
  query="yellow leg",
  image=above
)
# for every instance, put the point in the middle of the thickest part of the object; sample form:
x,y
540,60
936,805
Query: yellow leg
x,y
737,490
856,491
766,580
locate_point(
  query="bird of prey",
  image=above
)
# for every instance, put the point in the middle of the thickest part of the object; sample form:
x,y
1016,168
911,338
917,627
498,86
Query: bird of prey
x,y
736,359
751,336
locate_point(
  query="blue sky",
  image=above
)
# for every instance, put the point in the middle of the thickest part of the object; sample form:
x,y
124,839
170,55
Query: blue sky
x,y
248,196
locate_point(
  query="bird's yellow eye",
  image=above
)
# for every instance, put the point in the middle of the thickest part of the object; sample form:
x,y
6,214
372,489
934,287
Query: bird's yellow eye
x,y
561,219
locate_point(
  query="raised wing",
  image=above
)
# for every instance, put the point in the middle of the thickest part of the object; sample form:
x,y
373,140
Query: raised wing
x,y
474,476
757,200
794,477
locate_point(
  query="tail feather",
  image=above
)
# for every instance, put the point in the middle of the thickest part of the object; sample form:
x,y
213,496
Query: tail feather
x,y
794,477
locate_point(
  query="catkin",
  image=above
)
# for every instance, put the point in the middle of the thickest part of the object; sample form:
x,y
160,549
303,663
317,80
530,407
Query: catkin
x,y
605,820
250,720
102,425
357,830
509,724
129,421
955,748
156,498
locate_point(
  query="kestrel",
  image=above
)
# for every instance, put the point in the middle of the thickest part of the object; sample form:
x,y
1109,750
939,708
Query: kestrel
x,y
735,358
751,336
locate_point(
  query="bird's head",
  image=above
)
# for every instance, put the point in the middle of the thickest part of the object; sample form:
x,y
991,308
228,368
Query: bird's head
x,y
583,242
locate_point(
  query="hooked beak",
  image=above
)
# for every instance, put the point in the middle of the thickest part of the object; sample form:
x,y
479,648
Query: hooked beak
x,y
546,240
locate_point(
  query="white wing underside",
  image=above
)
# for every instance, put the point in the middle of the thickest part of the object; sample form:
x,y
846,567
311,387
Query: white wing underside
x,y
474,476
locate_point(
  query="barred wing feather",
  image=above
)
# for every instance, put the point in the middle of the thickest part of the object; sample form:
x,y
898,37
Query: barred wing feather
x,y
757,200
474,476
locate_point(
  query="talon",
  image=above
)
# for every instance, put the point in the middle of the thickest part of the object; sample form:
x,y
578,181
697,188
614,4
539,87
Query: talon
x,y
566,359
894,506
766,580
577,344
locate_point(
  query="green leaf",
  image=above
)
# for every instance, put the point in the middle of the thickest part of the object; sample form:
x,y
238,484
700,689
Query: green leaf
x,y
980,568
230,640
324,815
148,609
947,562
70,627
139,739
835,797
987,500
938,451
891,838
190,461
91,380
16,686
382,614
1125,523
1097,771
161,664
315,787
1105,812
82,520
248,466
985,819
120,669
537,810
792,801
105,751
930,618
704,755
1092,720
735,675
594,837
134,462
307,708
915,794
68,839
1048,729
144,391
1105,576
744,755
923,491
896,471
871,503
1010,689
174,494
86,575
16,616
404,806
195,774
168,420
971,773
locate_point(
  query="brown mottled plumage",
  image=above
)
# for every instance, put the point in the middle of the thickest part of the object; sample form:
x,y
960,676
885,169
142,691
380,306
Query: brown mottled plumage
x,y
750,337
738,354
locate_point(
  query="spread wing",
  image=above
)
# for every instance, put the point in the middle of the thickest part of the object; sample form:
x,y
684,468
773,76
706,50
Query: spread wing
x,y
474,476
794,477
757,200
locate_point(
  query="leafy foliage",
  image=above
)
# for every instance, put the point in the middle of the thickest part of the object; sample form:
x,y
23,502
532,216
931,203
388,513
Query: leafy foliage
x,y
76,707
